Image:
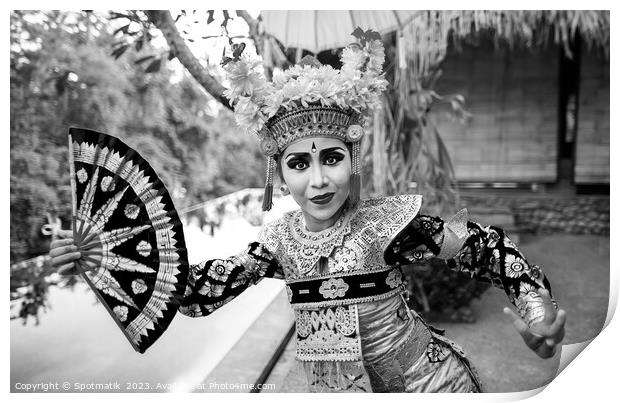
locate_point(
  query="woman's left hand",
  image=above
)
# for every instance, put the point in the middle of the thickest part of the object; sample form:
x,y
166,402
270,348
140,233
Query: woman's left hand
x,y
544,335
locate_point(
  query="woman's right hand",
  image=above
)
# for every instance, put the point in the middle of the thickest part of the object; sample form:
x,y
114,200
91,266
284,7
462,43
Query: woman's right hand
x,y
64,253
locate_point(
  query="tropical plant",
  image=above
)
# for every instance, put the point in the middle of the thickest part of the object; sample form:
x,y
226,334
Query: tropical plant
x,y
62,75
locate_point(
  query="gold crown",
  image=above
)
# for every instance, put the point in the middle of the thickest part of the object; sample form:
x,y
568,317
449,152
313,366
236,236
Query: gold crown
x,y
316,121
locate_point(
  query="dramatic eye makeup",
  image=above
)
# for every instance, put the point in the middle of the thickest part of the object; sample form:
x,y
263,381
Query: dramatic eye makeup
x,y
297,162
333,157
327,156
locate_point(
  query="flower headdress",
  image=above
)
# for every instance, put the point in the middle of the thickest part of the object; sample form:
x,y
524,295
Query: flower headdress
x,y
308,99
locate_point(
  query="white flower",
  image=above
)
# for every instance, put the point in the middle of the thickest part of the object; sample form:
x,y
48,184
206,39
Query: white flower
x,y
220,270
138,286
121,312
82,175
376,56
356,86
352,58
528,289
279,79
205,289
273,104
248,115
515,266
245,77
107,185
211,290
131,211
144,248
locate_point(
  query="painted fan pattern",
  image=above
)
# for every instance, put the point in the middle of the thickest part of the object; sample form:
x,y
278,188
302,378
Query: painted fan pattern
x,y
125,224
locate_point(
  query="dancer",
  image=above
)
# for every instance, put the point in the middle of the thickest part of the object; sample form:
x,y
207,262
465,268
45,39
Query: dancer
x,y
341,257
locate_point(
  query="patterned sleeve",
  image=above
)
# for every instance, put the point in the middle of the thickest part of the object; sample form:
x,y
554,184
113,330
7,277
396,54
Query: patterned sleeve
x,y
486,253
213,283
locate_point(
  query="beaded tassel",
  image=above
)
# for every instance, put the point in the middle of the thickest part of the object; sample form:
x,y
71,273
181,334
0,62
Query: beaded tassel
x,y
271,164
354,192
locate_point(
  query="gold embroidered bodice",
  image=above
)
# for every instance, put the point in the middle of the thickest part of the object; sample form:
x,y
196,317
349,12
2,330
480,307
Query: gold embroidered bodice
x,y
356,242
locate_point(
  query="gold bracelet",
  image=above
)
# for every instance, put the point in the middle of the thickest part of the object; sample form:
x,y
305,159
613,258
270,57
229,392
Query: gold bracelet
x,y
535,315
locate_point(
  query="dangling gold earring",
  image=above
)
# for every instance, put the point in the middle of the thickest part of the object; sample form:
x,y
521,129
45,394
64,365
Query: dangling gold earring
x,y
284,190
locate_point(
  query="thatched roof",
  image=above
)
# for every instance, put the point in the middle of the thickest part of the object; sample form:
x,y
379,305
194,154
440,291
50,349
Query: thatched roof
x,y
531,27
426,37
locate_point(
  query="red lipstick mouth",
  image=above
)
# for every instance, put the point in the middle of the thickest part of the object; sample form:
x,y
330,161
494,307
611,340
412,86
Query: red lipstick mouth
x,y
323,199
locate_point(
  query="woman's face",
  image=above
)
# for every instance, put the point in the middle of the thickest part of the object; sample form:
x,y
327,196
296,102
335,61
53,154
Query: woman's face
x,y
317,172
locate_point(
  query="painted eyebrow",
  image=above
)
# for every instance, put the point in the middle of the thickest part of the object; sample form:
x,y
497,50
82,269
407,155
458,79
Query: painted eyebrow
x,y
328,150
323,152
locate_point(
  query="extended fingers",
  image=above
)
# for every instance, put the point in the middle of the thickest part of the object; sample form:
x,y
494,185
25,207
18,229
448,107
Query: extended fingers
x,y
60,242
543,338
69,258
556,331
62,249
531,339
555,334
66,258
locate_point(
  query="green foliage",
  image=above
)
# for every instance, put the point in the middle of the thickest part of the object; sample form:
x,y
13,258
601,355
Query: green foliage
x,y
62,75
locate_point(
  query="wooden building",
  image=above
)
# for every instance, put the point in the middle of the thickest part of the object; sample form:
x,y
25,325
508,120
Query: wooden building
x,y
537,116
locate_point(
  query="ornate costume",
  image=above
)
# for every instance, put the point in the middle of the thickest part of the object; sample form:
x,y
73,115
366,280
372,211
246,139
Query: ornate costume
x,y
354,329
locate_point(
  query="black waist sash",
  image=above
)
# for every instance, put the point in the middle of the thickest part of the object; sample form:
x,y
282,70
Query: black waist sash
x,y
340,289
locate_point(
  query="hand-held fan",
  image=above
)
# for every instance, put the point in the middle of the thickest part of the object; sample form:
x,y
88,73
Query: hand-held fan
x,y
129,234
